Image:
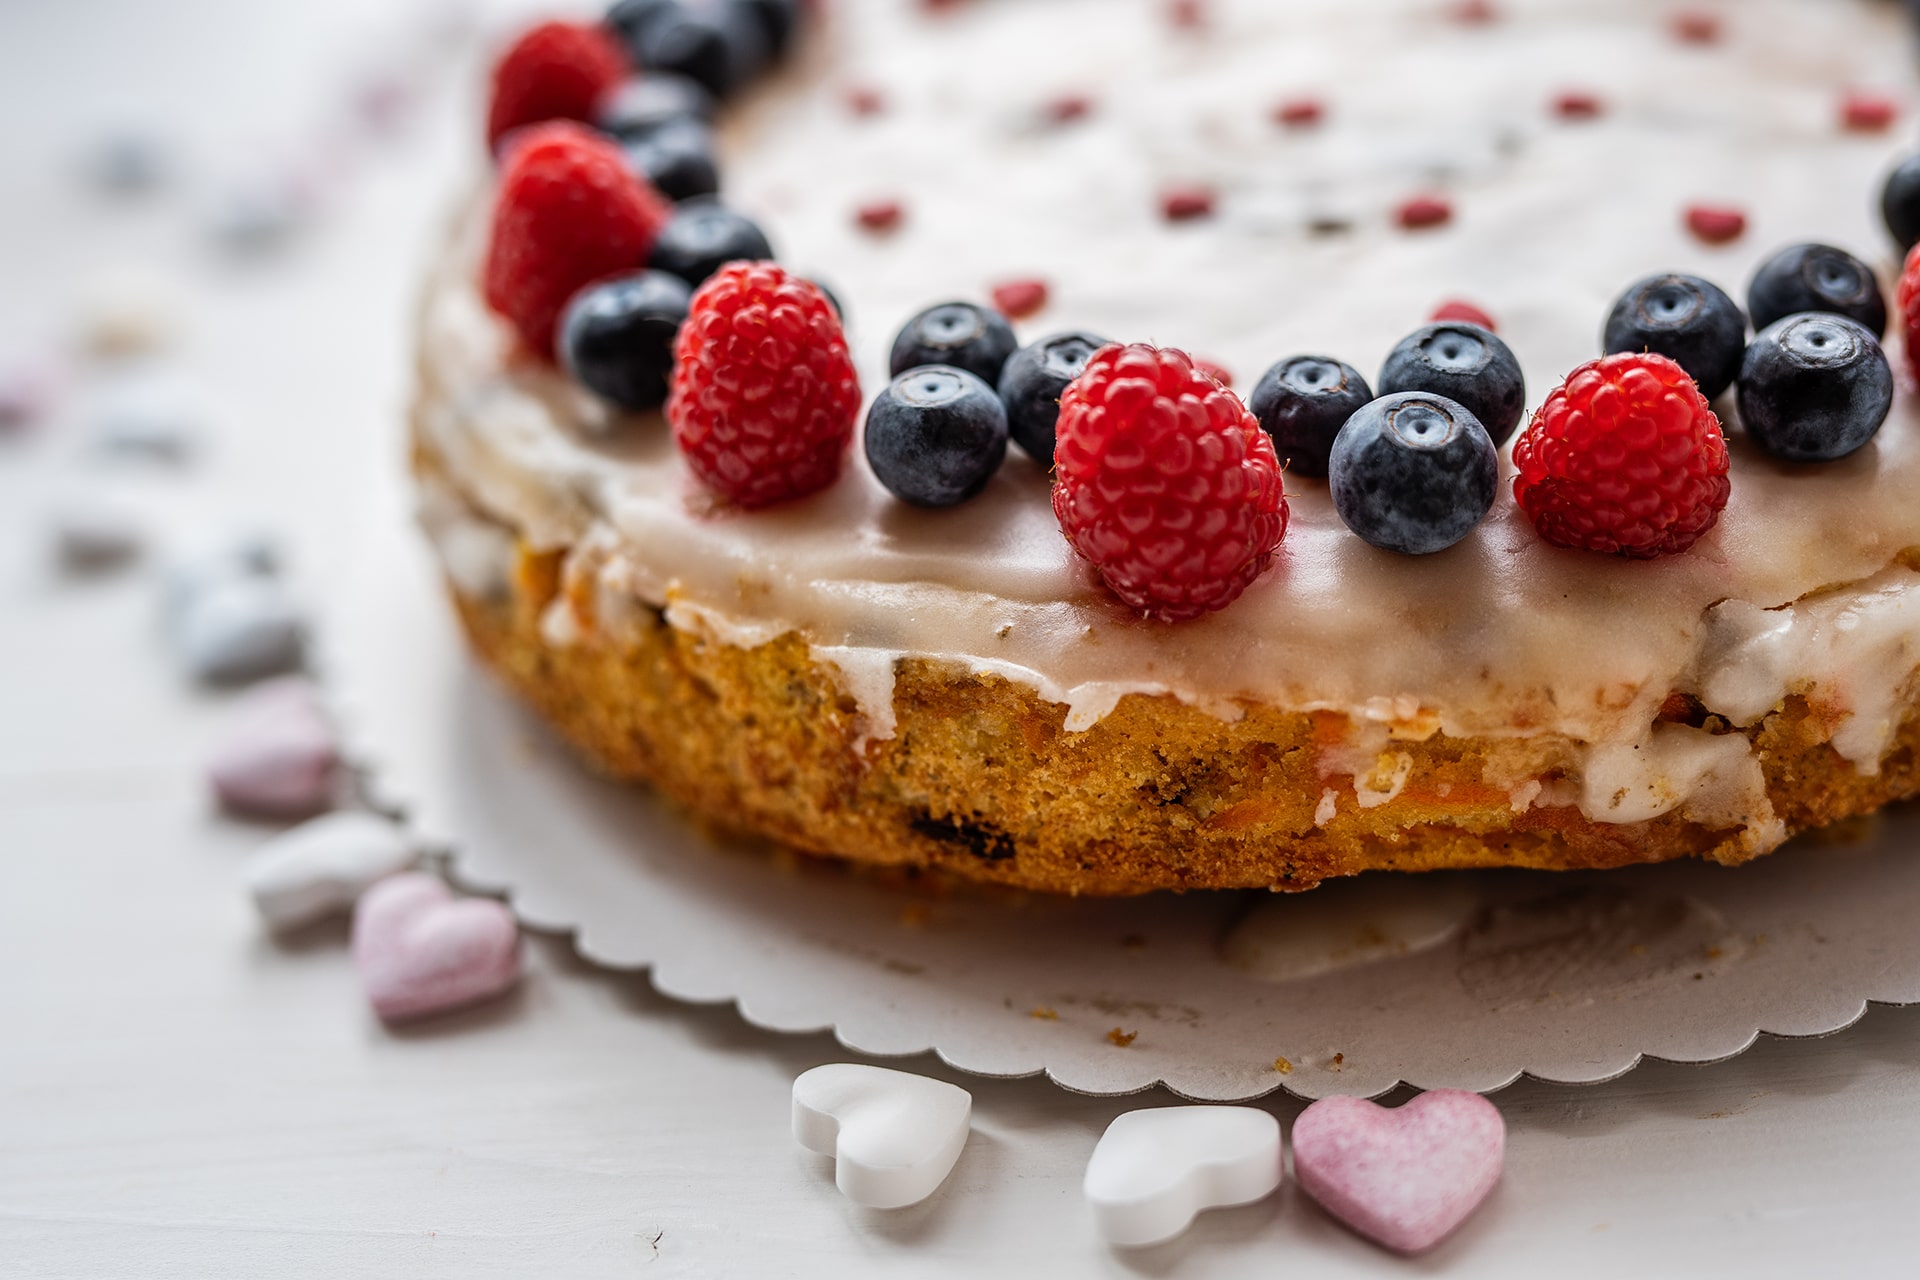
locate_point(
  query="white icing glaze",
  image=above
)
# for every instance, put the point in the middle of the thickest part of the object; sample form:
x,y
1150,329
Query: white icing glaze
x,y
1501,635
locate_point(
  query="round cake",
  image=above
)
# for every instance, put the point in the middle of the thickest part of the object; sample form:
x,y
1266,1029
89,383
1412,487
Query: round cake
x,y
957,688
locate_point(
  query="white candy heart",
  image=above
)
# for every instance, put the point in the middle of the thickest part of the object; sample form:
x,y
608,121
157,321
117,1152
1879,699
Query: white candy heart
x,y
279,756
1157,1169
240,629
323,866
893,1136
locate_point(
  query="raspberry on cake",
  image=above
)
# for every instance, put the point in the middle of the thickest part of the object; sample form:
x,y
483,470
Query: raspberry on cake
x,y
1165,483
556,71
1624,457
764,394
1093,664
568,213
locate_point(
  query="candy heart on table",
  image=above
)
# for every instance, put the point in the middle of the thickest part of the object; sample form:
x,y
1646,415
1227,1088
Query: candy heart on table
x,y
323,866
90,536
421,951
278,757
894,1136
216,557
1155,1170
1404,1177
240,629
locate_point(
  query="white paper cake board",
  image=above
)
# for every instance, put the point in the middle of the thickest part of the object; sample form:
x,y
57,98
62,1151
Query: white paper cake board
x,y
1568,977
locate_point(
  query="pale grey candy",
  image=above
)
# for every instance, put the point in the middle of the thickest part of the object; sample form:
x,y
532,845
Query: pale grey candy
x,y
90,536
240,629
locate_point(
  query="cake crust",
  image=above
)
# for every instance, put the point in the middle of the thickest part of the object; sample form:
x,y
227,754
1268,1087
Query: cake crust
x,y
981,779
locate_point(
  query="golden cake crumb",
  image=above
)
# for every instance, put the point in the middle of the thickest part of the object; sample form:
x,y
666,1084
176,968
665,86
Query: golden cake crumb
x,y
1122,1038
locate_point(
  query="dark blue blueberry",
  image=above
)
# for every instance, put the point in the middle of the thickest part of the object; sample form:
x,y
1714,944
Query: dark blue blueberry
x,y
936,435
1814,387
1686,319
1302,402
703,236
833,300
645,104
1816,277
1031,383
719,44
1413,472
1900,202
1464,363
616,338
777,18
677,159
962,334
628,18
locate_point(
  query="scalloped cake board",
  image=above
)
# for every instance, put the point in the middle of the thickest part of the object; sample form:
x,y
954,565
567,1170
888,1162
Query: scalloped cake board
x,y
1463,980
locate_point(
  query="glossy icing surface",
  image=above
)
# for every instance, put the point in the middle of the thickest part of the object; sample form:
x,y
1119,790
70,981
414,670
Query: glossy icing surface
x,y
1498,635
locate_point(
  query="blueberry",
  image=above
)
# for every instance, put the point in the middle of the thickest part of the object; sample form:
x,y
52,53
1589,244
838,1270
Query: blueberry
x,y
628,18
703,236
1031,383
616,337
1900,202
720,45
1464,363
1413,472
677,159
977,339
1816,277
1302,402
777,18
833,300
1686,319
1814,387
936,435
643,105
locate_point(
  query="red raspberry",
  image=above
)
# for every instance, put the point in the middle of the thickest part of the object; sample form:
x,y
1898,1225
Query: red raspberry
x,y
1460,309
1624,457
556,71
569,212
1165,482
764,393
1907,302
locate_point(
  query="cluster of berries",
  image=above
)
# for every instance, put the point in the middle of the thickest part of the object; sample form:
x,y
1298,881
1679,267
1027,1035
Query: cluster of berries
x,y
1164,480
603,133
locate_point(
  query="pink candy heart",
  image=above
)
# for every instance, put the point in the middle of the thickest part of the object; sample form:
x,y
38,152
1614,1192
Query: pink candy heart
x,y
421,951
278,756
1404,1177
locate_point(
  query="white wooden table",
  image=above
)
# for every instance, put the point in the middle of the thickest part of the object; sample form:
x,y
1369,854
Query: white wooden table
x,y
181,1096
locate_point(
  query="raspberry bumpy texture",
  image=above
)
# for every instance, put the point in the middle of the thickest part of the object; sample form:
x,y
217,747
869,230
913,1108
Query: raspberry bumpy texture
x,y
764,394
1624,457
556,71
569,212
1907,302
1165,482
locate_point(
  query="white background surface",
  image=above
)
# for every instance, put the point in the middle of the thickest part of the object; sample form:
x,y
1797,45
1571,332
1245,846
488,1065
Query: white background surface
x,y
180,1096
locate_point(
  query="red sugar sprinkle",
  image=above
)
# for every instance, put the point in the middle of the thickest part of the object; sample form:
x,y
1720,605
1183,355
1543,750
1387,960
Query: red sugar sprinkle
x,y
1863,112
1465,313
1187,15
1697,26
1068,107
1577,104
1424,211
1184,203
1215,370
1298,113
879,215
1018,299
1474,13
865,100
1716,223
